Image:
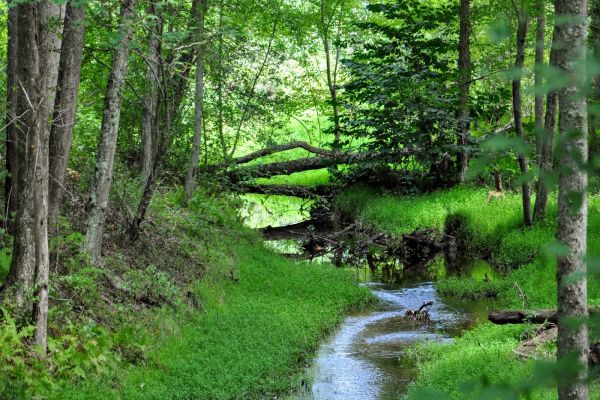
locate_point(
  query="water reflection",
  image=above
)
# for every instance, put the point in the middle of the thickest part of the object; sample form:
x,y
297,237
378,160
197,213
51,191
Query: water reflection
x,y
366,358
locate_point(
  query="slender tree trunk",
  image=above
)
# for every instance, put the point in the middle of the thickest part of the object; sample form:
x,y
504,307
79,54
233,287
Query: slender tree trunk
x,y
539,79
547,159
250,95
65,107
175,87
331,74
10,184
464,67
149,115
190,179
572,198
220,127
523,21
100,189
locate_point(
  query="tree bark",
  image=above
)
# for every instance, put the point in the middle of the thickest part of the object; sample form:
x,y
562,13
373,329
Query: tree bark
x,y
277,149
29,268
65,107
331,73
252,90
305,164
100,189
174,87
539,79
190,179
220,102
10,184
523,21
547,160
572,197
151,97
524,316
464,67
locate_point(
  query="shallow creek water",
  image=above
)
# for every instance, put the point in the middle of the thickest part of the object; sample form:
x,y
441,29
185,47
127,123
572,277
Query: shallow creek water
x,y
366,357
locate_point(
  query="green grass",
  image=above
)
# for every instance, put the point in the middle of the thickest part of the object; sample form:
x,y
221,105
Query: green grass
x,y
493,230
306,178
252,339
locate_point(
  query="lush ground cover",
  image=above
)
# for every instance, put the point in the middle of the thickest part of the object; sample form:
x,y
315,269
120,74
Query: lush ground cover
x,y
255,319
494,230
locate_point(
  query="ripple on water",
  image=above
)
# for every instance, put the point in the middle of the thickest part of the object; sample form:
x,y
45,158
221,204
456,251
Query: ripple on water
x,y
363,360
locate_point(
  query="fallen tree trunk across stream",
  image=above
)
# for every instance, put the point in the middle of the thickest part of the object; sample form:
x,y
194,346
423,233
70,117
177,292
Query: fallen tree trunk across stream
x,y
324,158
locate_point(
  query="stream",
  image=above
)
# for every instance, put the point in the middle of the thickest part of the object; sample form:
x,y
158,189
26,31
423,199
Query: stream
x,y
366,357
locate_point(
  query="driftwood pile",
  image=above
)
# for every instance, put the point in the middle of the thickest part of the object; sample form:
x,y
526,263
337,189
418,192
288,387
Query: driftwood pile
x,y
419,316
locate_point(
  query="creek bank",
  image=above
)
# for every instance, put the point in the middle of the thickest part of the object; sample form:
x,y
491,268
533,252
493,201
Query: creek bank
x,y
258,320
526,277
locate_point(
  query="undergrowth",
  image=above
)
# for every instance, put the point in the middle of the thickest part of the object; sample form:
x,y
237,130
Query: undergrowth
x,y
492,230
198,308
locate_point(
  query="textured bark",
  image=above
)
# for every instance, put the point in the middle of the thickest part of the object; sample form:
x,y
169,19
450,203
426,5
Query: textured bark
x,y
10,184
29,268
547,159
572,197
539,79
100,189
464,67
151,97
523,22
190,179
65,107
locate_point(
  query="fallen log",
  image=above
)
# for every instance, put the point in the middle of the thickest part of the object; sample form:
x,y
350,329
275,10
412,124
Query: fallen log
x,y
288,190
280,148
284,167
522,316
291,231
326,160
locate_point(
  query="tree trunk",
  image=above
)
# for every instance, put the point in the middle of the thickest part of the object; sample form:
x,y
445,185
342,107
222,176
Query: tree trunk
x,y
10,184
65,107
331,74
174,86
547,160
100,189
539,79
572,197
190,179
464,67
30,262
149,114
252,90
523,21
220,104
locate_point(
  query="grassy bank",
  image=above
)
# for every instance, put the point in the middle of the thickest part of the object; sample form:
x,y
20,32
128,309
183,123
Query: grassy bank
x,y
490,229
205,312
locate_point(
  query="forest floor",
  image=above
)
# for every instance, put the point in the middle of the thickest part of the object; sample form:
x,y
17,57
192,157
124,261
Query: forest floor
x,y
491,230
198,308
